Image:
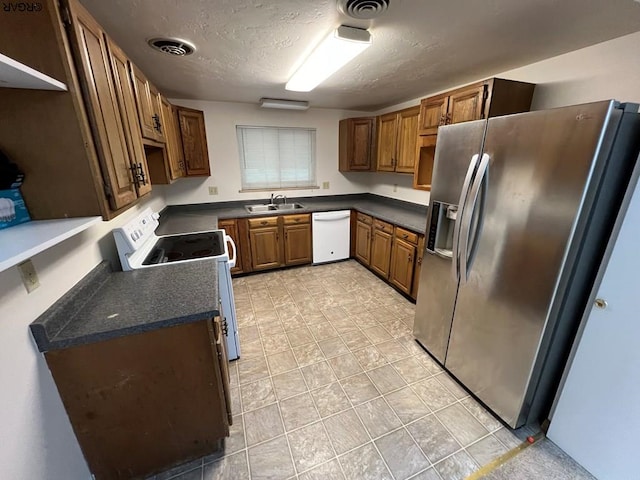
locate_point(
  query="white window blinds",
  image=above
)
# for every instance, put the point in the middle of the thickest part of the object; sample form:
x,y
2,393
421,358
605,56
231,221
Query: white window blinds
x,y
275,157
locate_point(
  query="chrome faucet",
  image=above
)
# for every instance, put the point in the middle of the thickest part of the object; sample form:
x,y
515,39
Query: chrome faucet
x,y
273,199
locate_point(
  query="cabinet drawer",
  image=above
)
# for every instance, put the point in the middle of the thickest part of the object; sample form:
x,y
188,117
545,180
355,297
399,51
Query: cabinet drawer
x,y
364,218
296,219
384,226
263,222
406,235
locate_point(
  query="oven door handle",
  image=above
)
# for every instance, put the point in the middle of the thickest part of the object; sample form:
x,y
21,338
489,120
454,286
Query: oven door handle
x,y
232,261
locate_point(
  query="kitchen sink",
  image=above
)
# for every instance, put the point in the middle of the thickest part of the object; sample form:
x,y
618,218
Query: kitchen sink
x,y
271,207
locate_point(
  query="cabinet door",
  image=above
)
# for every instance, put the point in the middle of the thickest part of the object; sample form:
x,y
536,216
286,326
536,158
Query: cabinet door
x,y
265,248
94,68
466,105
194,141
402,265
363,242
158,121
297,244
128,112
223,362
407,140
144,103
362,143
387,136
418,267
433,113
381,252
172,137
231,228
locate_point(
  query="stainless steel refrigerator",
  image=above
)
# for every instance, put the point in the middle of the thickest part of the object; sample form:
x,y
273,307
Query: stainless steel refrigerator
x,y
521,209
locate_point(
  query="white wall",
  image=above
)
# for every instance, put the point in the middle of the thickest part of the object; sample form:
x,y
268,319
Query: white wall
x,y
35,433
603,71
221,119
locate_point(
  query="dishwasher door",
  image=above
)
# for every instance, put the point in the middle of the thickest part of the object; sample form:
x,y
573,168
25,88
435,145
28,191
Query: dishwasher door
x,y
331,236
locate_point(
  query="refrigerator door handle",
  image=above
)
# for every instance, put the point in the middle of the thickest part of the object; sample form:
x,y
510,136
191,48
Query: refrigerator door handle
x,y
481,179
464,194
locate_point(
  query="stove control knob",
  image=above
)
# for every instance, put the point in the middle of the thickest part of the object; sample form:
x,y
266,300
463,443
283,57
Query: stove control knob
x,y
134,237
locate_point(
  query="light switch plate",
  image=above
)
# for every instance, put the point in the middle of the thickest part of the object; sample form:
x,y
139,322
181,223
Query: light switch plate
x,y
213,190
29,276
325,185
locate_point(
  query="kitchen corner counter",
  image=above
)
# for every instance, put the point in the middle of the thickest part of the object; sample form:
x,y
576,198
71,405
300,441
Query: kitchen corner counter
x,y
188,218
106,304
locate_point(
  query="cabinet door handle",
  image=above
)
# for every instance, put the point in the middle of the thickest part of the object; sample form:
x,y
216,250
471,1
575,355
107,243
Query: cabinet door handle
x,y
443,119
448,119
409,259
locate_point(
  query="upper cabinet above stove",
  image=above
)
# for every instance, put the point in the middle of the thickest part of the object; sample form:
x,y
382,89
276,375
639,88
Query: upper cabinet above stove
x,y
84,151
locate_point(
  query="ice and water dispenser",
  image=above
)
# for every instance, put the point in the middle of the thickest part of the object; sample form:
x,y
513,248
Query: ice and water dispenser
x,y
441,227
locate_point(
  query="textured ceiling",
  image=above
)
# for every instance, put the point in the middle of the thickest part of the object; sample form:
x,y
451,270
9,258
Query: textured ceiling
x,y
247,49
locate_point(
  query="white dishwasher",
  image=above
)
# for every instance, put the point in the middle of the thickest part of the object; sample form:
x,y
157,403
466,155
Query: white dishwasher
x,y
331,236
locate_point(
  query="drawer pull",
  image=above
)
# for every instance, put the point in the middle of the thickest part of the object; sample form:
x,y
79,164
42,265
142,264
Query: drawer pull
x,y
263,222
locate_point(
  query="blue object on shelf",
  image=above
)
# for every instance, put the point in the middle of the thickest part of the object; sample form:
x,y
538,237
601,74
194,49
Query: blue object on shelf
x,y
13,210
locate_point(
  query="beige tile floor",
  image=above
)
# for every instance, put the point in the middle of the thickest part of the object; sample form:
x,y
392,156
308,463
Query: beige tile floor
x,y
331,385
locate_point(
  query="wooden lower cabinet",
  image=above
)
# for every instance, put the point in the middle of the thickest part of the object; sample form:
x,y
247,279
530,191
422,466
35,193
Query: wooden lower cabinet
x,y
265,247
280,241
363,242
142,403
403,255
297,239
230,226
381,248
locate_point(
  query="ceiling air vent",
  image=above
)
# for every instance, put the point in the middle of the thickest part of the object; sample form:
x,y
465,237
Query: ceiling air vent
x,y
363,9
172,46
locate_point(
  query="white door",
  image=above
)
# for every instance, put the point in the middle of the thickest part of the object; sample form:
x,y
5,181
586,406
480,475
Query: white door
x,y
597,416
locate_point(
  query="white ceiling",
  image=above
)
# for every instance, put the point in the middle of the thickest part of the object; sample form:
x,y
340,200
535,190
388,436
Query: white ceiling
x,y
247,49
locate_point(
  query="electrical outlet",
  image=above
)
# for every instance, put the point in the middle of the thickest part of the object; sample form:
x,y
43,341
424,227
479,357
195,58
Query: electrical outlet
x,y
213,190
395,187
325,185
29,276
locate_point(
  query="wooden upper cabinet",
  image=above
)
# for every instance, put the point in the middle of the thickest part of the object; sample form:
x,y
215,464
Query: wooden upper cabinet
x,y
407,137
356,144
94,66
387,142
144,103
397,135
489,98
128,112
158,119
433,113
175,154
194,141
466,104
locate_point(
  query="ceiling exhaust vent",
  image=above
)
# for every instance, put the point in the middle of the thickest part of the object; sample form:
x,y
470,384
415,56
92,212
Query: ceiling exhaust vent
x,y
172,46
363,9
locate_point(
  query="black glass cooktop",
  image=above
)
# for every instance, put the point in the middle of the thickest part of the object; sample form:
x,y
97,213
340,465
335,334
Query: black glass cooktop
x,y
178,248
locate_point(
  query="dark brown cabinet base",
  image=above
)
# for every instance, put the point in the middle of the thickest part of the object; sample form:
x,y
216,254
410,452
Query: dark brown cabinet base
x,y
142,403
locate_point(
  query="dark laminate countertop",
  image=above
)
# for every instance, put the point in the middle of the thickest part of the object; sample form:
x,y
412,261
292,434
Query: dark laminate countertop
x,y
107,304
189,218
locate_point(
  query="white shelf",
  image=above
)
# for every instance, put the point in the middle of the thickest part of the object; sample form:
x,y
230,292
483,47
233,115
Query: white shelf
x,y
20,242
17,75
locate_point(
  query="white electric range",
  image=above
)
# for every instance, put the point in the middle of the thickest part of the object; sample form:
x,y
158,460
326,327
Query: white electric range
x,y
139,247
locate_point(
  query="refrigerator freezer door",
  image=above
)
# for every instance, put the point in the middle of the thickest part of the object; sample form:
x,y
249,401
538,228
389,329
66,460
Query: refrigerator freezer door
x,y
456,146
540,167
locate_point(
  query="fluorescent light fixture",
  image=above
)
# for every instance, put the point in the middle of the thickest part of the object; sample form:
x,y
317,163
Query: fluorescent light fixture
x,y
339,48
283,104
